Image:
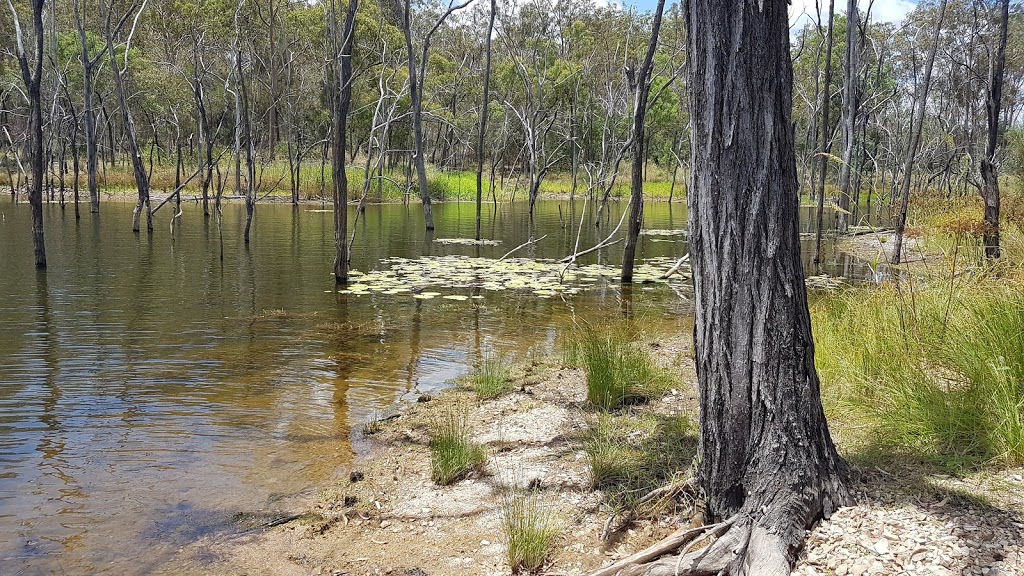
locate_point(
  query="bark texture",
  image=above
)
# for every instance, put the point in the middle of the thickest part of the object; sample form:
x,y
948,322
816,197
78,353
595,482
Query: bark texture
x,y
767,461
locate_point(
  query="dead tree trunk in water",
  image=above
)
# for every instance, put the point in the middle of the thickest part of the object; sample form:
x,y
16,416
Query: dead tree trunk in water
x,y
342,91
32,79
850,107
138,167
767,465
483,120
416,80
989,169
824,145
88,69
636,208
916,124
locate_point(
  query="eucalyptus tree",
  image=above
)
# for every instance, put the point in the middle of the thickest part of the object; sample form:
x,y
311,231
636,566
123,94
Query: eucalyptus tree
x,y
417,76
341,40
768,469
111,36
484,109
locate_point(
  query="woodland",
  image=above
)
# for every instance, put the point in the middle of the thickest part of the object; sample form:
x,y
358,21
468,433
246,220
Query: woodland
x,y
902,141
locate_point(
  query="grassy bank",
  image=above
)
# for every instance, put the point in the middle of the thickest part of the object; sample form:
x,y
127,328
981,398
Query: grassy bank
x,y
274,182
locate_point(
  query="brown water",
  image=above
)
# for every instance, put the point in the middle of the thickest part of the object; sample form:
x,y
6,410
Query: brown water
x,y
151,393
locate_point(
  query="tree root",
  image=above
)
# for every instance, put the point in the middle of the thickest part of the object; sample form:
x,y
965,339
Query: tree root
x,y
687,485
741,547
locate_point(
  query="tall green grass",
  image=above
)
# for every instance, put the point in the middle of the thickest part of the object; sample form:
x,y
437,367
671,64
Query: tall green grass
x,y
619,368
453,453
934,366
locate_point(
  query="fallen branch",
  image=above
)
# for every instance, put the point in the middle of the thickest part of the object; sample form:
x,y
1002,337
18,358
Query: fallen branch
x,y
603,243
675,267
523,245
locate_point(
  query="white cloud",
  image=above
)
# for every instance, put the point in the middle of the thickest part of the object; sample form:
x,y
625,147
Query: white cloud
x,y
802,11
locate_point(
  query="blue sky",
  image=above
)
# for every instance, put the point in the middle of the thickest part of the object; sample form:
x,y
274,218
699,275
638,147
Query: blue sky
x,y
883,10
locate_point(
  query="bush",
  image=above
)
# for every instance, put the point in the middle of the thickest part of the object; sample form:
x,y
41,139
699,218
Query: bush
x,y
453,454
529,530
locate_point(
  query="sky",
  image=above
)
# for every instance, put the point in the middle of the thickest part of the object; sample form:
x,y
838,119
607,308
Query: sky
x,y
883,10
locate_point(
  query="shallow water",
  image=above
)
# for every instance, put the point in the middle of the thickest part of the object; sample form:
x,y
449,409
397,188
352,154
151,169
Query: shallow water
x,y
151,392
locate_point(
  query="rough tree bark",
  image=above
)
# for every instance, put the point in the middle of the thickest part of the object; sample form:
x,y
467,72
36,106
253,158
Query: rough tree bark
x,y
989,168
341,102
767,465
483,119
636,207
916,126
32,75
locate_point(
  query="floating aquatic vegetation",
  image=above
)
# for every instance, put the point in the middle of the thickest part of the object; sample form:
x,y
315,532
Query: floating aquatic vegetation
x,y
467,241
657,232
422,277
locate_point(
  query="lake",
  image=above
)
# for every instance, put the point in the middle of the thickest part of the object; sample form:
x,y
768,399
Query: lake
x,y
153,392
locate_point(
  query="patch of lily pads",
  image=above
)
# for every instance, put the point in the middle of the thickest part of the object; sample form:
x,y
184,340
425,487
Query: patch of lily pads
x,y
421,278
467,241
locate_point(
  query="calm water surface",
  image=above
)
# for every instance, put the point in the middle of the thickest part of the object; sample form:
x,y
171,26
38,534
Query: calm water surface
x,y
151,392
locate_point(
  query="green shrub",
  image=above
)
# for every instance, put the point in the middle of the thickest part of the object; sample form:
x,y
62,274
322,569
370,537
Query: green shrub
x,y
453,454
529,529
491,379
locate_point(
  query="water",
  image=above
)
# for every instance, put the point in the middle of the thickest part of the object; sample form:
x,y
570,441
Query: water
x,y
151,392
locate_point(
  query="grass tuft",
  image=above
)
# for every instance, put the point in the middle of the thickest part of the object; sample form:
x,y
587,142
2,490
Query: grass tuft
x,y
492,378
619,368
530,531
453,454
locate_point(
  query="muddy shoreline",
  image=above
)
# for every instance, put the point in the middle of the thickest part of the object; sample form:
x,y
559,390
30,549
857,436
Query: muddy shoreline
x,y
385,516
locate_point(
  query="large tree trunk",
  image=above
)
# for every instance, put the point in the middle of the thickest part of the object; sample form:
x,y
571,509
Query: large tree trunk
x,y
767,464
636,206
916,126
989,169
342,101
